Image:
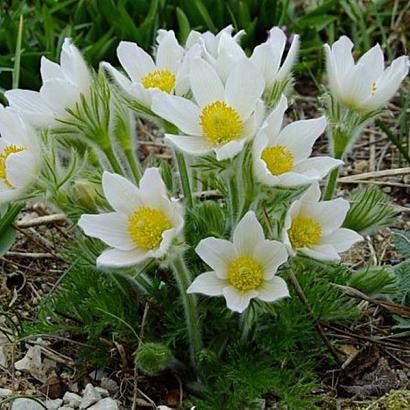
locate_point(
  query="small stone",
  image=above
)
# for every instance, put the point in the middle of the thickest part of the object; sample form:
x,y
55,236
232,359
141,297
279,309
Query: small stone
x,y
26,404
97,375
72,399
90,396
53,404
110,385
105,404
103,392
5,392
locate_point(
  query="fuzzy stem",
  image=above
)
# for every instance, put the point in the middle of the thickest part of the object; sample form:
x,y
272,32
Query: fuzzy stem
x,y
185,182
319,328
183,280
112,158
233,199
134,164
331,185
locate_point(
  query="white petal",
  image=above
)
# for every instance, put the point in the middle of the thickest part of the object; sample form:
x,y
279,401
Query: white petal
x,y
321,252
229,150
272,290
294,179
31,103
193,145
115,258
343,59
9,195
74,66
50,70
60,95
14,130
118,77
248,234
357,87
330,214
317,165
208,284
151,182
111,228
179,111
120,193
271,254
373,60
21,168
331,70
244,87
167,237
285,70
217,254
206,86
342,239
266,59
299,136
312,194
169,52
275,118
237,301
135,61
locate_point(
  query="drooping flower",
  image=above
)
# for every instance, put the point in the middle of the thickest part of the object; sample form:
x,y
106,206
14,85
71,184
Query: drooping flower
x,y
365,85
20,158
168,73
144,222
314,228
62,87
268,58
281,157
242,269
222,118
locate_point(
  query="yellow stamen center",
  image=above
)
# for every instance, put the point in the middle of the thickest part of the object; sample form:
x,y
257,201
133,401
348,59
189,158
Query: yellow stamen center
x,y
245,273
146,226
161,78
278,159
374,87
304,232
220,123
7,151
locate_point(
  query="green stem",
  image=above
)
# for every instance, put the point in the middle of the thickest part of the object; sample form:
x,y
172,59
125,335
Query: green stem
x,y
233,199
185,182
112,158
331,185
134,164
183,280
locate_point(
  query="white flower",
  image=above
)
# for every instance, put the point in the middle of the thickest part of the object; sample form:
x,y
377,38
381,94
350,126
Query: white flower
x,y
314,228
268,57
281,156
20,158
366,85
143,224
62,86
242,269
168,73
223,118
222,51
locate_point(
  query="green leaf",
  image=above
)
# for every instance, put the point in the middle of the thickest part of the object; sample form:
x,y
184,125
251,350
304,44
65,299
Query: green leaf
x,y
184,26
205,15
7,238
402,242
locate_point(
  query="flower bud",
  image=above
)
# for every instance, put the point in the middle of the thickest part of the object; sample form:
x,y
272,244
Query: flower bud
x,y
152,358
86,193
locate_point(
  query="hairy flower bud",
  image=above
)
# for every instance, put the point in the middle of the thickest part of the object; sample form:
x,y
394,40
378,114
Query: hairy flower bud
x,y
153,358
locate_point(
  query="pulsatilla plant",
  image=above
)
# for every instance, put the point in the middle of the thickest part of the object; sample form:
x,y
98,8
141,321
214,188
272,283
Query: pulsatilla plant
x,y
240,216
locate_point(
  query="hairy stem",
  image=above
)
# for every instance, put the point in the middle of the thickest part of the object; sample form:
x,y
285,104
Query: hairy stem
x,y
112,158
185,182
331,185
134,164
183,280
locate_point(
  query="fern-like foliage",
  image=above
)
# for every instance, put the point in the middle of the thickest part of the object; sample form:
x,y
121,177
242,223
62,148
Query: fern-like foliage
x,y
370,209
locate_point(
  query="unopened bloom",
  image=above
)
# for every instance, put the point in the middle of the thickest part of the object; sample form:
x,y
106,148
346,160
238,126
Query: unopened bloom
x,y
314,228
281,157
242,269
268,58
222,118
144,222
168,73
63,84
20,157
365,85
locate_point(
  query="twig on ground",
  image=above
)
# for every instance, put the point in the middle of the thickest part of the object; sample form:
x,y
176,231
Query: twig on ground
x,y
31,255
377,174
42,220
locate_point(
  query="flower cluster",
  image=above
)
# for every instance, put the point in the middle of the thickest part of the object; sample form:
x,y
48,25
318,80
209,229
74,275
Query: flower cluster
x,y
216,102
